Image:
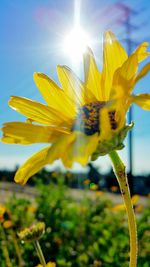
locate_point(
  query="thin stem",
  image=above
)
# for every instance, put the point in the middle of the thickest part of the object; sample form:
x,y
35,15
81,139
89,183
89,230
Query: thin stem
x,y
39,253
17,248
4,247
119,170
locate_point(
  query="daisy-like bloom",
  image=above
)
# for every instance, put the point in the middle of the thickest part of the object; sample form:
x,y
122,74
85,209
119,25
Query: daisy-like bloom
x,y
33,232
82,120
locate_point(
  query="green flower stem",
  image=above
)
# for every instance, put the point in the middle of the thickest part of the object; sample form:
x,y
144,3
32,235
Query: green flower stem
x,y
4,247
119,170
40,253
17,248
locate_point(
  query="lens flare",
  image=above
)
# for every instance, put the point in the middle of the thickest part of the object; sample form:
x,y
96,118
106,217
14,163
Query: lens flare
x,y
75,43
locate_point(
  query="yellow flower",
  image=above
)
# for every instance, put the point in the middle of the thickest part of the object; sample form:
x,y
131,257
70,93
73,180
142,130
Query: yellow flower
x,y
135,199
2,212
99,193
86,182
139,208
33,232
119,207
32,209
82,120
49,264
7,224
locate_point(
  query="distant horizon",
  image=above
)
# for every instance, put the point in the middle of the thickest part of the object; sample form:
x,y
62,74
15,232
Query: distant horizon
x,y
103,163
55,168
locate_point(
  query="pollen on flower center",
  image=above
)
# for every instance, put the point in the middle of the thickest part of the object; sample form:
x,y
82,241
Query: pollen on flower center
x,y
87,120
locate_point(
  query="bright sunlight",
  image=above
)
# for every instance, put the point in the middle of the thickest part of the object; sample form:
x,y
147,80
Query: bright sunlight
x,y
75,43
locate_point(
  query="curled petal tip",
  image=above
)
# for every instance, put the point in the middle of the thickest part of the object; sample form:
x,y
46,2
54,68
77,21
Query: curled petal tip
x,y
36,74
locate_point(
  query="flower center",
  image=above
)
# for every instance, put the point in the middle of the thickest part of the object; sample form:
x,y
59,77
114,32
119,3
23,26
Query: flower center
x,y
88,118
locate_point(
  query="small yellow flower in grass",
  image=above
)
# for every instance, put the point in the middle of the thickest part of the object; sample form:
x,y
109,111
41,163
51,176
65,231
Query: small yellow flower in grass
x,y
99,193
2,212
5,216
139,208
135,199
82,120
7,224
119,207
49,264
86,182
32,233
32,209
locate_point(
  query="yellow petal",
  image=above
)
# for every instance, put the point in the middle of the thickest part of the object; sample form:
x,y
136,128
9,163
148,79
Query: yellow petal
x,y
142,100
86,145
36,111
141,51
129,68
45,156
54,96
105,127
142,72
94,90
114,56
120,108
118,207
80,150
59,149
32,166
109,126
123,78
72,86
25,133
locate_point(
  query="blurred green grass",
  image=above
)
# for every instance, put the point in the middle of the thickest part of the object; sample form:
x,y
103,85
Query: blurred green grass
x,y
80,232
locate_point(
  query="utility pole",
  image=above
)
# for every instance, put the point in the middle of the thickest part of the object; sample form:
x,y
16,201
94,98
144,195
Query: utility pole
x,y
130,117
125,21
128,13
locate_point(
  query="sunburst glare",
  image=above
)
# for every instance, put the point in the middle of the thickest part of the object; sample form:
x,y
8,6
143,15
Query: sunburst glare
x,y
75,43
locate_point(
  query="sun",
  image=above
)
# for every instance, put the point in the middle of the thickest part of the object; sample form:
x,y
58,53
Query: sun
x,y
75,43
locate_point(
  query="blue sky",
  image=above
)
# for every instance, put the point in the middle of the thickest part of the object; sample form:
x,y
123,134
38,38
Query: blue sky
x,y
31,37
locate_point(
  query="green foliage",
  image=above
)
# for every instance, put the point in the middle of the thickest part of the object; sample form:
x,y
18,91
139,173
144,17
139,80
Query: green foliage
x,y
80,232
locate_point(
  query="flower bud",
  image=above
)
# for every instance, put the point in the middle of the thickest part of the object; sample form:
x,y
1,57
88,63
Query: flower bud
x,y
32,233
